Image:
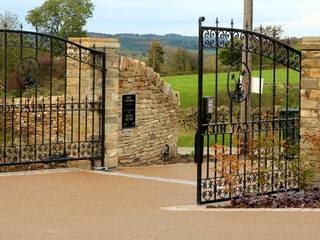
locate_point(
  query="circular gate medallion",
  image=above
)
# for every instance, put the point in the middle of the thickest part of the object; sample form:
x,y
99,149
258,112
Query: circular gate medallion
x,y
238,74
26,72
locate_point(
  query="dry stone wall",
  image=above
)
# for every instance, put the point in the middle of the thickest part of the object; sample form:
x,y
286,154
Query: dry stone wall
x,y
157,108
29,120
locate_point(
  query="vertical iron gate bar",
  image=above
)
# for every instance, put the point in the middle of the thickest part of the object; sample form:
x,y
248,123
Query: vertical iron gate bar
x,y
92,106
57,119
253,122
100,118
42,121
20,122
79,100
65,104
86,120
223,149
287,118
273,113
50,98
246,115
208,153
199,150
259,132
238,137
36,105
72,122
28,116
230,110
12,123
216,105
5,97
299,122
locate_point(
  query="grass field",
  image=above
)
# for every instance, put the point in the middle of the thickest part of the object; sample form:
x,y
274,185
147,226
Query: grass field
x,y
187,86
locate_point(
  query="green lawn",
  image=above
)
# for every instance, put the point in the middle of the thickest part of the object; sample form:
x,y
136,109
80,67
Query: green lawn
x,y
187,140
187,86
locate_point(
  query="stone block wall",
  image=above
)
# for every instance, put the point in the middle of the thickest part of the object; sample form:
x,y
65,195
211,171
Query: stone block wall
x,y
157,108
310,93
33,123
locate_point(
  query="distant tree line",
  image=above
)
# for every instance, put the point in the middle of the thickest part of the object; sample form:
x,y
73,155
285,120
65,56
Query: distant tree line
x,y
176,61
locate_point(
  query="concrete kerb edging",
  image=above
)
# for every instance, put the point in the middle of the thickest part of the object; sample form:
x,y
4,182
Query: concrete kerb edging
x,y
39,172
149,178
111,172
202,208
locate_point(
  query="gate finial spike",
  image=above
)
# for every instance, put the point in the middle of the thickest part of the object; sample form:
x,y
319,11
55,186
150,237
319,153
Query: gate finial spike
x,y
21,26
261,28
202,19
217,22
232,22
274,32
5,25
247,25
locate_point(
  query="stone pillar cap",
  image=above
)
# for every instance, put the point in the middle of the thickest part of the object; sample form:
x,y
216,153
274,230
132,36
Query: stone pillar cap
x,y
310,43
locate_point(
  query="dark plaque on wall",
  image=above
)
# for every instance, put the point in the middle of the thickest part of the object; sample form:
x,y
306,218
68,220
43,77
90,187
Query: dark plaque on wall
x,y
128,111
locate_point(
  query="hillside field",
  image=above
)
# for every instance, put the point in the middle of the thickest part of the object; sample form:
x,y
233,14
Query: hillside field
x,y
187,86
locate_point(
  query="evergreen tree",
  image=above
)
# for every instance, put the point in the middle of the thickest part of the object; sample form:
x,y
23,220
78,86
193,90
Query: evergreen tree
x,y
155,55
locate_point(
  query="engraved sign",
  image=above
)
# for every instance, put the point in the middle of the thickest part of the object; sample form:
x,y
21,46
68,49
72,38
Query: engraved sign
x,y
129,111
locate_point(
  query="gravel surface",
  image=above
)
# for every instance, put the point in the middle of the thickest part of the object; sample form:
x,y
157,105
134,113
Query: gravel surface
x,y
84,205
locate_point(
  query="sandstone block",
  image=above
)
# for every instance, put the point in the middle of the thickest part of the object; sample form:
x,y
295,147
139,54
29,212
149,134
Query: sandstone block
x,y
309,104
309,83
315,94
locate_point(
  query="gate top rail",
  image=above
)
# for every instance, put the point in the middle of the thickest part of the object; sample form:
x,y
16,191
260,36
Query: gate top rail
x,y
214,37
51,43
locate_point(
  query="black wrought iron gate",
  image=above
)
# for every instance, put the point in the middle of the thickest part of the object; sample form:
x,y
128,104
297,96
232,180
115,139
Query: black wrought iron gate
x,y
248,114
52,100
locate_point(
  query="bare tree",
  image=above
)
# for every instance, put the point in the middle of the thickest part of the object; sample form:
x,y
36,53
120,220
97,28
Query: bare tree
x,y
275,31
9,20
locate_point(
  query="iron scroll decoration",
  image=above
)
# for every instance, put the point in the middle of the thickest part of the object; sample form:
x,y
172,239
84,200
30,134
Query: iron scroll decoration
x,y
238,93
26,69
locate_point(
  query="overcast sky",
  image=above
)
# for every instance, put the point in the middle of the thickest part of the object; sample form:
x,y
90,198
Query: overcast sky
x,y
297,17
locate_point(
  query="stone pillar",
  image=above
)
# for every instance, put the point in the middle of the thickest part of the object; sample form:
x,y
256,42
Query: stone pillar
x,y
310,92
111,46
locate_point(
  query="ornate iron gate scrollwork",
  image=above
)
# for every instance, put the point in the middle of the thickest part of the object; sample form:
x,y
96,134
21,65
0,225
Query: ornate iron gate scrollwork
x,y
52,100
251,144
238,93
